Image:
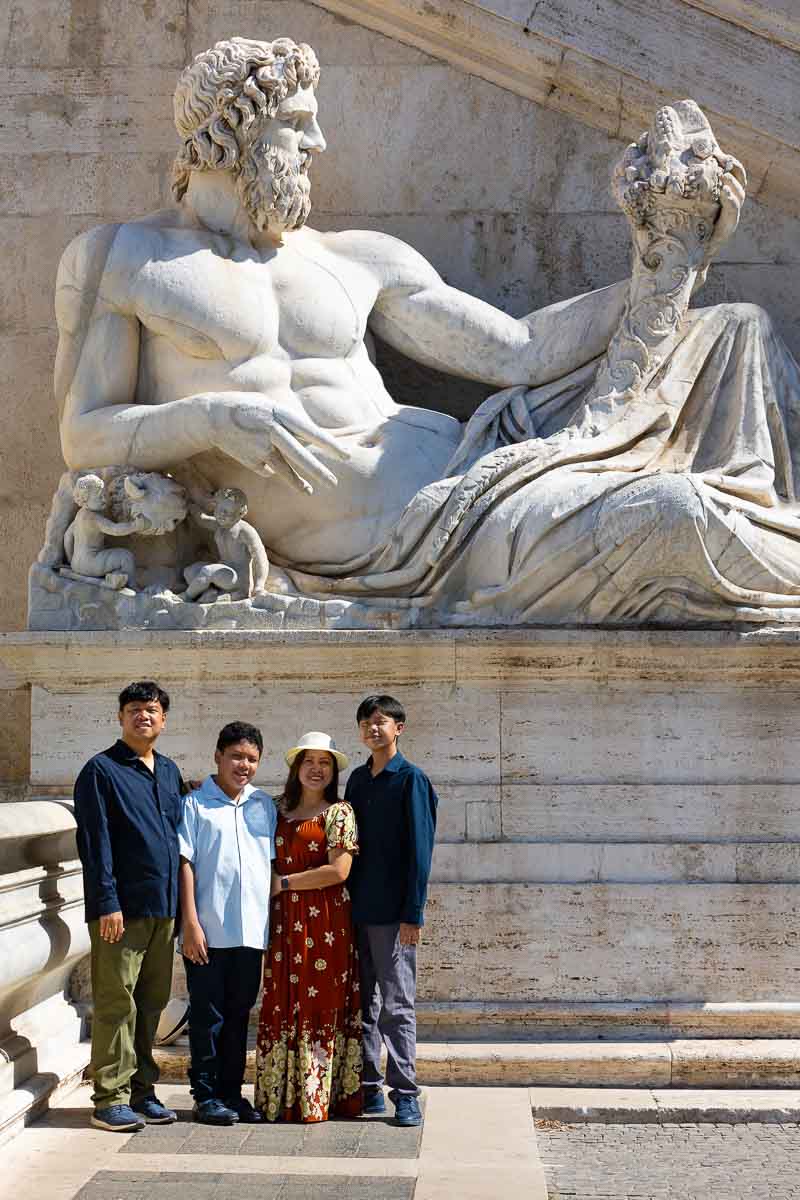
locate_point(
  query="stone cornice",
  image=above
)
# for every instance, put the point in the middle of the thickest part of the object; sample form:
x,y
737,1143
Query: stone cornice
x,y
513,659
578,60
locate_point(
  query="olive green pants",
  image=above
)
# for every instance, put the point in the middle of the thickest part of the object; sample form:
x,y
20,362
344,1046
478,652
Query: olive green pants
x,y
131,981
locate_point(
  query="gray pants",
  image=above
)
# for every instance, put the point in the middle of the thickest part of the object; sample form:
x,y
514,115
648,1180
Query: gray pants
x,y
388,995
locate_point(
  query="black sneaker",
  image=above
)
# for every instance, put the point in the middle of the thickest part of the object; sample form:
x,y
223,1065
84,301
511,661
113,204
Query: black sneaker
x,y
374,1104
214,1112
244,1110
117,1118
406,1111
154,1112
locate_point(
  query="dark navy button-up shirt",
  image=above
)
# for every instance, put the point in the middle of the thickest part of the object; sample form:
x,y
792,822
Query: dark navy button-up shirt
x,y
396,815
127,818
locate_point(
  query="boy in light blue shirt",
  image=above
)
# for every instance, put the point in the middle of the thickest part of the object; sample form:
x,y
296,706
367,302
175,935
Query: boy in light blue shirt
x,y
226,843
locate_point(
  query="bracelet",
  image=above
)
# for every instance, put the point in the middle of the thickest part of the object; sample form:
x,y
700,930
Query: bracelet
x,y
284,883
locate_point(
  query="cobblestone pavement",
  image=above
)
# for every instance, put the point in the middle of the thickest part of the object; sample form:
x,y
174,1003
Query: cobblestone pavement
x,y
758,1161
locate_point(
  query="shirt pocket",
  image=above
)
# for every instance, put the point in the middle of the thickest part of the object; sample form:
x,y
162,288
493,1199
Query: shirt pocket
x,y
258,820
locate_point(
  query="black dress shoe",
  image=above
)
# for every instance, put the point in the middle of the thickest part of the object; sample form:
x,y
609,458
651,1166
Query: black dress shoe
x,y
214,1112
245,1111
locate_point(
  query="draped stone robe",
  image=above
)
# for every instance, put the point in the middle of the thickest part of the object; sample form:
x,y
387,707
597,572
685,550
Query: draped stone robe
x,y
680,507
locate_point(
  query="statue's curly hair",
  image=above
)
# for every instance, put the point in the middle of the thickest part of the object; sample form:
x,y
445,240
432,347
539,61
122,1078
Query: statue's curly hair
x,y
222,93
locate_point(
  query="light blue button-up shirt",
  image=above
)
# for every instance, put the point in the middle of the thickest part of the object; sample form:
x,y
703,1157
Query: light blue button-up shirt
x,y
231,847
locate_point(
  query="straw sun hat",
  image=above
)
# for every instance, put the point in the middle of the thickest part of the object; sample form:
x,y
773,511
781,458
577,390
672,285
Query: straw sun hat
x,y
317,741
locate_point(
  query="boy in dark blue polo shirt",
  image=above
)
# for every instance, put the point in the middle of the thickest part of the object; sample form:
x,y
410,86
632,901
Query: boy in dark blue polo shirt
x,y
395,807
127,808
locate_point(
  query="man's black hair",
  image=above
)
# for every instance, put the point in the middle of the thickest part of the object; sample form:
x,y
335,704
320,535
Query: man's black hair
x,y
142,691
385,704
239,731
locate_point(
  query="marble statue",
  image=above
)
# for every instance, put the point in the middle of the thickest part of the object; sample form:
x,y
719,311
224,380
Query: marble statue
x,y
635,464
84,541
244,566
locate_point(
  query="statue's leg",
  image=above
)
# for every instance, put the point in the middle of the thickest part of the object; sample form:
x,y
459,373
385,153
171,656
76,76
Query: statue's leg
x,y
119,562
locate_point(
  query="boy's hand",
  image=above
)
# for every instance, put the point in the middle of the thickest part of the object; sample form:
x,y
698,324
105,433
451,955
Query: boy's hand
x,y
195,947
409,934
112,927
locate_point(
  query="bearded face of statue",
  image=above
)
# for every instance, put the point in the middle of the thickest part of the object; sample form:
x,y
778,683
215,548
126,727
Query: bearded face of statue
x,y
272,180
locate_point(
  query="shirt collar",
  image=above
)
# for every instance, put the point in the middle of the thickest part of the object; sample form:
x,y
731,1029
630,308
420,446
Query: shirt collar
x,y
125,753
211,790
394,764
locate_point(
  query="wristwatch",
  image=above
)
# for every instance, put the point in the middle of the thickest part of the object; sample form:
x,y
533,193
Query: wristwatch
x,y
284,883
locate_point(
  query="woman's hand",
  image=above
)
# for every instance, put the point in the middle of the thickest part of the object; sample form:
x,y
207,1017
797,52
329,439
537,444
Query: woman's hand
x,y
195,947
275,888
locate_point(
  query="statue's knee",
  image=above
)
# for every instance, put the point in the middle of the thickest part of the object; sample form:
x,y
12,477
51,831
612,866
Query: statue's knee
x,y
665,506
120,560
750,317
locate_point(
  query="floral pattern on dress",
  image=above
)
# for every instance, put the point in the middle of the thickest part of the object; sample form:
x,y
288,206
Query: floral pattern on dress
x,y
308,1050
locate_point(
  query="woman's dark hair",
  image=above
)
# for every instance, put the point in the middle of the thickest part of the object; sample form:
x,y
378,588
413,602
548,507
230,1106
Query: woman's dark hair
x,y
293,789
239,731
142,691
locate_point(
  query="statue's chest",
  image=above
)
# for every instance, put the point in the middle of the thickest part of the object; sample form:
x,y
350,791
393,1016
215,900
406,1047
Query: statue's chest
x,y
209,306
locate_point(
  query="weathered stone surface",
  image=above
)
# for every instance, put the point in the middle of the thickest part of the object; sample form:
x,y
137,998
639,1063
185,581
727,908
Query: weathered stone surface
x,y
726,812
600,66
673,941
730,1063
282,712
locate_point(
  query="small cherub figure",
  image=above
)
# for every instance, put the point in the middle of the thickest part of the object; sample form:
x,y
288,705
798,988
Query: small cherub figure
x,y
243,567
84,539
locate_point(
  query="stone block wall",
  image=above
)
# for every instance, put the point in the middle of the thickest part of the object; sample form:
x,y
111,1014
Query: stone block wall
x,y
508,199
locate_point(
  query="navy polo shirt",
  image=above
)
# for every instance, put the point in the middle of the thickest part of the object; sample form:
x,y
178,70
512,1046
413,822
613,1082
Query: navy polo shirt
x,y
396,816
128,819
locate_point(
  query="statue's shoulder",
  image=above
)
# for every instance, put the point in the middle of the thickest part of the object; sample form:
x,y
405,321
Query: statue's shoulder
x,y
114,245
393,261
107,257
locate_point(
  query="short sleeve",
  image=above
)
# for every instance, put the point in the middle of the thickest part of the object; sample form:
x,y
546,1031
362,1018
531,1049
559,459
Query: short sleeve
x,y
187,830
340,828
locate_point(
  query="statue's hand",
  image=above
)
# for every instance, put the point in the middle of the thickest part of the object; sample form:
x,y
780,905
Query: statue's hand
x,y
731,198
268,439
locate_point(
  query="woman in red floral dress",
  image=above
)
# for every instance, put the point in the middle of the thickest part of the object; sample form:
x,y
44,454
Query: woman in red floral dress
x,y
308,1052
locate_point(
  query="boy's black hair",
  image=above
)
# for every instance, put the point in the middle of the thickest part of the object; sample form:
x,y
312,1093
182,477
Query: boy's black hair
x,y
385,704
142,691
239,731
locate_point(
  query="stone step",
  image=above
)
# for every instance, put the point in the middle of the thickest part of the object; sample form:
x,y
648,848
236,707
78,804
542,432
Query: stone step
x,y
496,1020
670,1106
682,1063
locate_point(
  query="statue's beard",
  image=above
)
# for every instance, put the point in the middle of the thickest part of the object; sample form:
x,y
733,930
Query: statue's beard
x,y
274,187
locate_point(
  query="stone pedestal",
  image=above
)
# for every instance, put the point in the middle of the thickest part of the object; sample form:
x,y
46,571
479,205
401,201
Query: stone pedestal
x,y
617,850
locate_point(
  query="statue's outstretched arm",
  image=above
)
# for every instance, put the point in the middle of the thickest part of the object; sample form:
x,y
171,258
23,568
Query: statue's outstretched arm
x,y
96,374
419,314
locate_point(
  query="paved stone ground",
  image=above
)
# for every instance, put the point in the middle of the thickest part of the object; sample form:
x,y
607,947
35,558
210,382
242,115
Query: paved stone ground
x,y
209,1185
475,1144
373,1138
759,1161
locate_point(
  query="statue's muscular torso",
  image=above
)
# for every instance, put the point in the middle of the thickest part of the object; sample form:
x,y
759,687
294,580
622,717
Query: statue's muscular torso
x,y
290,324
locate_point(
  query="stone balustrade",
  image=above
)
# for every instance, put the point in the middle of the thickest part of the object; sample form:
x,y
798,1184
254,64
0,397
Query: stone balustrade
x,y
42,937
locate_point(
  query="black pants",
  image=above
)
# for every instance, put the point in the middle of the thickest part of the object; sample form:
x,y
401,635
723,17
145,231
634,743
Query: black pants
x,y
221,995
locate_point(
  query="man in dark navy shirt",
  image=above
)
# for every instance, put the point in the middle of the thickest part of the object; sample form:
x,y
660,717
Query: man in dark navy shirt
x,y
395,807
127,808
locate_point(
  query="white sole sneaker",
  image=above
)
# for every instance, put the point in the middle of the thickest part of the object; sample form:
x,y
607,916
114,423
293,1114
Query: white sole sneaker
x,y
130,1127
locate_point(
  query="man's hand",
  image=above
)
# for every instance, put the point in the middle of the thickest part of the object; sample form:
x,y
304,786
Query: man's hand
x,y
409,934
195,947
275,888
112,927
265,437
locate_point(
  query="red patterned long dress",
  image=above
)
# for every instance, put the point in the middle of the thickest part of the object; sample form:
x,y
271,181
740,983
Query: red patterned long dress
x,y
308,1051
